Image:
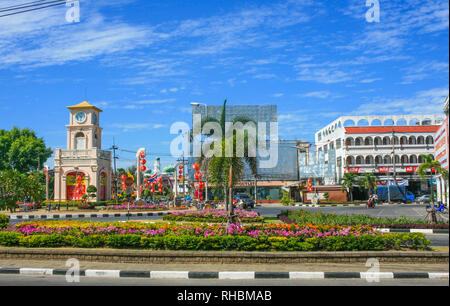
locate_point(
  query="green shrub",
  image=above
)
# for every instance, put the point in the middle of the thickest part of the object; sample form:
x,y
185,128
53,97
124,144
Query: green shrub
x,y
391,241
10,239
4,221
124,241
44,241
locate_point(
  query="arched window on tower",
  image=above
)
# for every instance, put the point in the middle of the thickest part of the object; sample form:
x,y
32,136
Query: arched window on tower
x,y
80,141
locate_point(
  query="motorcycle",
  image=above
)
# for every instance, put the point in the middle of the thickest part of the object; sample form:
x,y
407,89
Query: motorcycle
x,y
371,203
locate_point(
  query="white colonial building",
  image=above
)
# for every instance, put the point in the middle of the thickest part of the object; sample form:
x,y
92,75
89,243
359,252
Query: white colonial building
x,y
380,144
84,162
441,140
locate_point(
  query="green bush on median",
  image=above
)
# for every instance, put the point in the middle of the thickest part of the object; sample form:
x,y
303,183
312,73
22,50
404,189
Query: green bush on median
x,y
391,241
4,221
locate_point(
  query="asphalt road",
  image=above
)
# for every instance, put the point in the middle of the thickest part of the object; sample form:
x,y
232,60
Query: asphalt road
x,y
19,280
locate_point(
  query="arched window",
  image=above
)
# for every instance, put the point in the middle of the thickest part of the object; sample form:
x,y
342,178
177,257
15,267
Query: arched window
x,y
369,160
421,159
349,141
349,123
376,122
413,159
404,159
395,139
402,122
378,160
80,141
397,159
386,141
430,140
359,160
359,141
387,159
368,141
350,160
378,141
388,122
420,140
403,140
363,122
412,140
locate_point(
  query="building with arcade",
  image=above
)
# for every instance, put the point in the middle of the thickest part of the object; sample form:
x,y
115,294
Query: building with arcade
x,y
83,163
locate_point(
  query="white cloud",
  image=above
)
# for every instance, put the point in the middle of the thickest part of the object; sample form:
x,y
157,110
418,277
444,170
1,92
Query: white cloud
x,y
317,94
423,102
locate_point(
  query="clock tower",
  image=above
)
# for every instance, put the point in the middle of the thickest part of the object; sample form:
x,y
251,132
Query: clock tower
x,y
83,163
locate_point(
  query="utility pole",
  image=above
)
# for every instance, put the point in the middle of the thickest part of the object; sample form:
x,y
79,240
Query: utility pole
x,y
114,148
183,162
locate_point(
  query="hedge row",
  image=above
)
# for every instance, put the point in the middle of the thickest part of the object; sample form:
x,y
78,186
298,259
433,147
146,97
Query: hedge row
x,y
4,221
394,241
285,219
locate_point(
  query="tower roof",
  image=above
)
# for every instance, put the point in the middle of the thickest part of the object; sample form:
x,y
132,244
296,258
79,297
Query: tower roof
x,y
84,105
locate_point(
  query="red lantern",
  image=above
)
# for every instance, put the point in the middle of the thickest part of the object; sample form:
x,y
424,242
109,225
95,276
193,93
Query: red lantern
x,y
196,166
143,161
143,168
159,179
153,190
142,155
123,177
160,190
201,185
160,185
180,172
180,177
197,176
181,167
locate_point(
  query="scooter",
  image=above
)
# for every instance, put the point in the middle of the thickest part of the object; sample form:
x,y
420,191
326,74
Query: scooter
x,y
371,203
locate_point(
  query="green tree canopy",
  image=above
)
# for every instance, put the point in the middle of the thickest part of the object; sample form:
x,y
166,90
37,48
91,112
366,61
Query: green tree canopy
x,y
22,150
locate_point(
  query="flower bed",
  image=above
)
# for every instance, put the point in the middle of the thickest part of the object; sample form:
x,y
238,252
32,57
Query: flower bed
x,y
213,216
305,217
268,237
137,207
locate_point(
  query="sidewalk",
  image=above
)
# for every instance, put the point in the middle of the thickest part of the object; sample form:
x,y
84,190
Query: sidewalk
x,y
310,267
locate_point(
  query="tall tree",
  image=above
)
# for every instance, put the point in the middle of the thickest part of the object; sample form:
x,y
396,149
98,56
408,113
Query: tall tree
x,y
369,182
218,167
22,150
429,166
347,183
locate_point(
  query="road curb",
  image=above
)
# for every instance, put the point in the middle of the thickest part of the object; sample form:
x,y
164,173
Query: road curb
x,y
228,275
413,230
79,216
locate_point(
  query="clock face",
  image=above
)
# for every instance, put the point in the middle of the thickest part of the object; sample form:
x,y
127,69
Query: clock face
x,y
80,117
94,118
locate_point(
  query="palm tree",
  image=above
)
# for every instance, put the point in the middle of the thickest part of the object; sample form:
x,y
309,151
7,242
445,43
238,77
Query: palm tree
x,y
218,168
347,183
433,166
369,181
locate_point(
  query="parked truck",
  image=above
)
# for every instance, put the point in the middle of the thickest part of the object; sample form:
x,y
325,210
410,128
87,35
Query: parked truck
x,y
396,194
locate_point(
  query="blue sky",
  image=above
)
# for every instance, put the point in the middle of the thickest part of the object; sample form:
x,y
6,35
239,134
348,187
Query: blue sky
x,y
144,61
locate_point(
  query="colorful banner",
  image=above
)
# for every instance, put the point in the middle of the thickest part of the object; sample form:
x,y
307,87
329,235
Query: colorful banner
x,y
73,191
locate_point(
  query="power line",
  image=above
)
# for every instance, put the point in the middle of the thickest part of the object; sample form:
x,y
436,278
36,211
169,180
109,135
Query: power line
x,y
18,5
27,5
39,8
